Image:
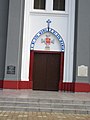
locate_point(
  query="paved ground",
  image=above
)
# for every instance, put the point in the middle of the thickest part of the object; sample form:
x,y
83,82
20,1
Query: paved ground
x,y
41,116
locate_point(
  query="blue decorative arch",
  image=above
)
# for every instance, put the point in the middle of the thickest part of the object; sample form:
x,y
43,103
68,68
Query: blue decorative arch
x,y
48,29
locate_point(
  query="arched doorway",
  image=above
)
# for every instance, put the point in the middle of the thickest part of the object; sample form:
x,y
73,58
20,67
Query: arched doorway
x,y
47,60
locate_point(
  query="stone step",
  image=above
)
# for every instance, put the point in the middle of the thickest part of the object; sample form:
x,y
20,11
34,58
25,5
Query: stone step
x,y
41,109
42,100
41,104
45,105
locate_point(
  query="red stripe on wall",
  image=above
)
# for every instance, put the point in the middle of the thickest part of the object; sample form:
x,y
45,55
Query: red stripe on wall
x,y
9,84
74,87
82,87
25,84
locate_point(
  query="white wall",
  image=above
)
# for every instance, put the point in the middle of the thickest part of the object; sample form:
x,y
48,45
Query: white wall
x,y
63,23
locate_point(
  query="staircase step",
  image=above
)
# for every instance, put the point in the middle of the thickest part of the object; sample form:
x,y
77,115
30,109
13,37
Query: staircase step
x,y
40,109
47,104
57,105
42,100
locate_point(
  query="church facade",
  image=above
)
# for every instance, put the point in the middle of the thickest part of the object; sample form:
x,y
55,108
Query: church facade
x,y
45,45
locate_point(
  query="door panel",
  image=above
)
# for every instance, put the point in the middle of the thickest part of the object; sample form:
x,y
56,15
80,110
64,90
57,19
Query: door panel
x,y
53,72
46,71
39,74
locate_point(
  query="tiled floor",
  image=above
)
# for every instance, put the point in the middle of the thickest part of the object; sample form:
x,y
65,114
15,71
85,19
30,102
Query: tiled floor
x,y
41,116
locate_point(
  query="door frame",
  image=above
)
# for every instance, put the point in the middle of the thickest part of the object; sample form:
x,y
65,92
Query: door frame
x,y
32,52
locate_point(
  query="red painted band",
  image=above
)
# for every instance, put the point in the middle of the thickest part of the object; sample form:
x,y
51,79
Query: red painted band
x,y
11,84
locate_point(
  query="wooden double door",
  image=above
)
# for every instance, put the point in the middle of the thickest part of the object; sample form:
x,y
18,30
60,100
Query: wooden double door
x,y
46,71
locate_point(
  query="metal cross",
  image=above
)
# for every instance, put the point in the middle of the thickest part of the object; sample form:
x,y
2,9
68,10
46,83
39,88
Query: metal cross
x,y
48,22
